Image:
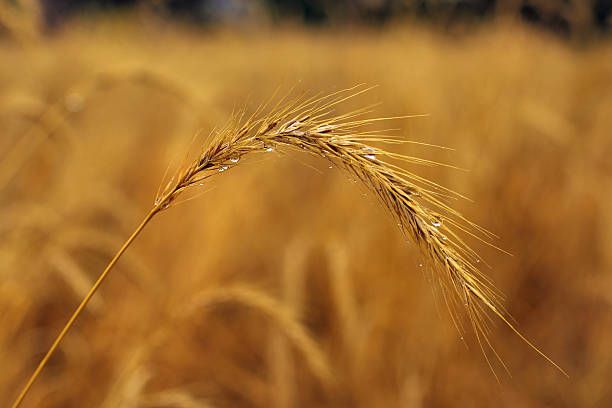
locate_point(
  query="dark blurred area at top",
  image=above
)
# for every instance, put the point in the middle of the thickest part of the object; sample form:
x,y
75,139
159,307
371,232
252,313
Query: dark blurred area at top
x,y
563,17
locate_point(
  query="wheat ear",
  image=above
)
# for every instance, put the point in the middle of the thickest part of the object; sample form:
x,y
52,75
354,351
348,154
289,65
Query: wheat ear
x,y
416,203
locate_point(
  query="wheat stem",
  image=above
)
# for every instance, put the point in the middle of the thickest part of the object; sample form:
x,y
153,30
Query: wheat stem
x,y
79,309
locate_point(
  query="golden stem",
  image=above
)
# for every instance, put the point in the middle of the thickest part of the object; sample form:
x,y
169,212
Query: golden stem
x,y
79,309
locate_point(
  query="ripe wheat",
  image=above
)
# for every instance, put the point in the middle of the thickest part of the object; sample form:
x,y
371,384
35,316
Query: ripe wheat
x,y
416,203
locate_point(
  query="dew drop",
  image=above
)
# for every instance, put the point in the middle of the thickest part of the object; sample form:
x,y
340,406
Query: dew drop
x,y
421,265
234,159
330,166
269,149
436,223
370,156
477,260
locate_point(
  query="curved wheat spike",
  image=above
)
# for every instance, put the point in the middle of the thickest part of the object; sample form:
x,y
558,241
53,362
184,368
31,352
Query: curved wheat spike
x,y
283,317
415,202
412,200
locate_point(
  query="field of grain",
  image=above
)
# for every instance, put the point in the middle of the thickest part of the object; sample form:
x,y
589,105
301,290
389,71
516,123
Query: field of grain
x,y
285,284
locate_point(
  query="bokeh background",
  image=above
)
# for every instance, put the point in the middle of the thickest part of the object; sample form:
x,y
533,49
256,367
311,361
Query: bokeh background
x,y
286,284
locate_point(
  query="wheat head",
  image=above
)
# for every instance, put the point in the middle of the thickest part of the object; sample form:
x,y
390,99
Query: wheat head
x,y
417,204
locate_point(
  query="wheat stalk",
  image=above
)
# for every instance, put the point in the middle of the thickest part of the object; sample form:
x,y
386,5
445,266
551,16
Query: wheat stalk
x,y
344,140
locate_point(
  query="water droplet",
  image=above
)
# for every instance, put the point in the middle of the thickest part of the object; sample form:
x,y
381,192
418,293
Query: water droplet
x,y
325,128
234,159
477,260
399,224
436,223
269,149
443,237
370,156
330,166
421,265
221,169
354,181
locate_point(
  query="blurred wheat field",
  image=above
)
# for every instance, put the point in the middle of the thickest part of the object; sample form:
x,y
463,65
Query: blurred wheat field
x,y
286,284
